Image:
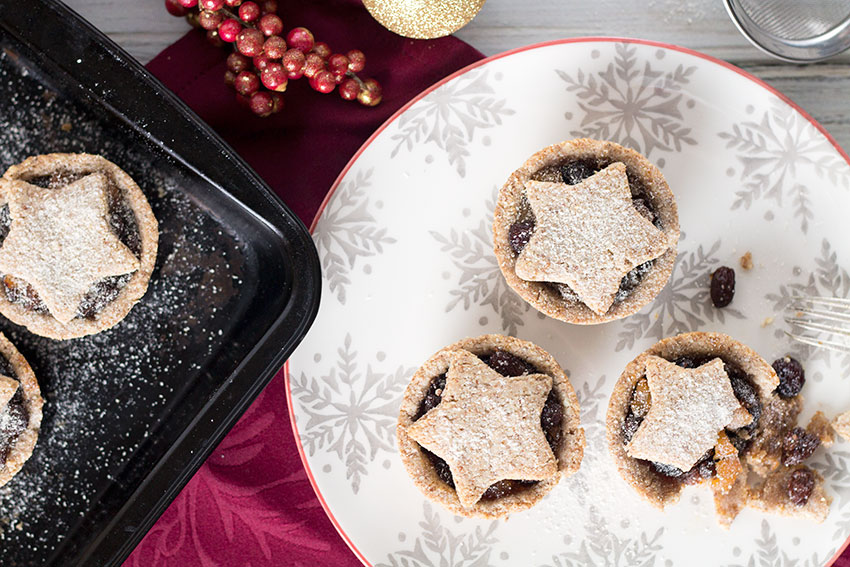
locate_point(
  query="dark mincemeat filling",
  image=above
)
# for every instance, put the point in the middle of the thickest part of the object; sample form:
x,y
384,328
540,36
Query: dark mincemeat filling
x,y
550,420
121,220
12,425
746,393
573,173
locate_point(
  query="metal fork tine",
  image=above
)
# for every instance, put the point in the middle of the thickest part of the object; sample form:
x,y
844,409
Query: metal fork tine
x,y
829,345
836,316
817,300
809,326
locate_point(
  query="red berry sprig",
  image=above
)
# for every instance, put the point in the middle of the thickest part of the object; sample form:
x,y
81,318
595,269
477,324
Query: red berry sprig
x,y
264,60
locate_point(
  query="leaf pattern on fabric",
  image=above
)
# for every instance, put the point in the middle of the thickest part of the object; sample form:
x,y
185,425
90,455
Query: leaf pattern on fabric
x,y
237,509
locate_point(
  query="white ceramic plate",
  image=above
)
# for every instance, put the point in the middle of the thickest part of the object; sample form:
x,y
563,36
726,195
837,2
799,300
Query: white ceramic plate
x,y
405,244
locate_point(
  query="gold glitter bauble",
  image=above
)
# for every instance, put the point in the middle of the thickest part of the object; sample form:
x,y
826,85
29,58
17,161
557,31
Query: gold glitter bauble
x,y
423,19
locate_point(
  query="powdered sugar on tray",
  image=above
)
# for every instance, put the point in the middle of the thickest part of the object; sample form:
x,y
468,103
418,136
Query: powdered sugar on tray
x,y
107,395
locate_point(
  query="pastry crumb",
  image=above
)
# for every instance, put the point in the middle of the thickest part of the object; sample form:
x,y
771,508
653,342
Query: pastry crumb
x,y
747,261
841,425
767,322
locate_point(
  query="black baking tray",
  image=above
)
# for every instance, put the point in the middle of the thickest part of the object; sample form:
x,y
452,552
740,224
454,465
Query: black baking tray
x,y
131,413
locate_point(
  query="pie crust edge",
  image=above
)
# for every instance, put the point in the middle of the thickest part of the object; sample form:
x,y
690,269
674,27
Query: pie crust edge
x,y
539,294
419,467
45,324
653,487
23,447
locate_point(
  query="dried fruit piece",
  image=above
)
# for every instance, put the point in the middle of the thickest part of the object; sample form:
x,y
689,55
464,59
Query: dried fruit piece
x,y
575,172
797,446
801,483
728,465
507,364
745,392
703,470
519,234
791,376
641,399
722,286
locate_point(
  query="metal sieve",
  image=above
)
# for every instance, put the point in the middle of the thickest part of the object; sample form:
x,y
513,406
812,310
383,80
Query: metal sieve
x,y
799,31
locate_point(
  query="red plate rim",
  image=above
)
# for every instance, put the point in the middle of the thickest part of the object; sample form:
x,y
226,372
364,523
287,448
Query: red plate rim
x,y
459,72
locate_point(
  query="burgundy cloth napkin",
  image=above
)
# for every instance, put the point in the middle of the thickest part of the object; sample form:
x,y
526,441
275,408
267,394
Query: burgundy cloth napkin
x,y
251,503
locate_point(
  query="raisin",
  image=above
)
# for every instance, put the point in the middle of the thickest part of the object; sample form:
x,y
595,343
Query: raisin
x,y
630,426
5,222
507,364
14,423
801,483
791,376
519,234
722,286
576,171
704,469
738,441
667,470
433,396
686,362
745,392
642,206
551,418
631,280
506,488
797,446
441,467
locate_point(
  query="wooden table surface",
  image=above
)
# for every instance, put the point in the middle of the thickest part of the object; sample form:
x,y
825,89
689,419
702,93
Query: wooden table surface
x,y
143,27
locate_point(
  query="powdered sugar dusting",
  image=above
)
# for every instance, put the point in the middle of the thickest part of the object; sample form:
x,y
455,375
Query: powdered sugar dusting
x,y
588,236
116,400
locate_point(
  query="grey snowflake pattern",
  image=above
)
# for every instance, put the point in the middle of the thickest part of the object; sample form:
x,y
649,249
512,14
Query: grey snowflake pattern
x,y
351,412
633,103
771,151
347,231
451,116
439,546
768,553
834,466
592,401
602,548
684,303
827,278
480,281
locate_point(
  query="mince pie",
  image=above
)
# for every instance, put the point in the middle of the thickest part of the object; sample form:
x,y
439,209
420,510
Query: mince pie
x,y
489,425
702,407
586,231
20,410
78,244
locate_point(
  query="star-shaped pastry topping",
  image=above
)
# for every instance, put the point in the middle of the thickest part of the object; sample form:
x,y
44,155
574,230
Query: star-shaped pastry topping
x,y
689,407
8,387
60,241
588,236
487,427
